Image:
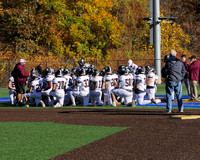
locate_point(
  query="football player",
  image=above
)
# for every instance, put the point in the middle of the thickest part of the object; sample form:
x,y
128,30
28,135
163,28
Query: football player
x,y
68,88
58,89
140,87
35,90
151,83
110,82
95,89
47,86
132,65
12,92
124,87
83,89
82,63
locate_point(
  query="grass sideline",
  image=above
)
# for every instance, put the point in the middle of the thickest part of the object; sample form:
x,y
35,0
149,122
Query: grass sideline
x,y
160,91
4,92
45,140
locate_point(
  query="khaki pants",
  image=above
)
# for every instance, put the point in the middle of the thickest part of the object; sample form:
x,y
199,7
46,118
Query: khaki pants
x,y
193,90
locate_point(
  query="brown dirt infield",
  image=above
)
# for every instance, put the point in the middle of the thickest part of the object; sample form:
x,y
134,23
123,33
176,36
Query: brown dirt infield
x,y
151,134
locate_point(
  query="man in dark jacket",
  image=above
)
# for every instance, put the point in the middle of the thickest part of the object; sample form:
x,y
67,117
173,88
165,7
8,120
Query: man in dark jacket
x,y
20,76
193,77
175,71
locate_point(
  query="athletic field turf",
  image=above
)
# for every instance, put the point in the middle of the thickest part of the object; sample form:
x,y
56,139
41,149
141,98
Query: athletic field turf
x,y
142,132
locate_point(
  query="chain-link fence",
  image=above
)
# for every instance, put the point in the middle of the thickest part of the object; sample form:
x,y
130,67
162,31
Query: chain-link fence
x,y
7,67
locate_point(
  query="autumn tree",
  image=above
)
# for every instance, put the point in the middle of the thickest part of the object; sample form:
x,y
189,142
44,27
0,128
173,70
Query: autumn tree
x,y
188,17
66,29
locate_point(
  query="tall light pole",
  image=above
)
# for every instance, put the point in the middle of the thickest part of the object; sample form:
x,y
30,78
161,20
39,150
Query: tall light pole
x,y
157,38
155,33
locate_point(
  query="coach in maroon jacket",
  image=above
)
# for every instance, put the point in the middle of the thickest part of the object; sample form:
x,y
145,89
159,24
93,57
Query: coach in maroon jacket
x,y
193,77
20,75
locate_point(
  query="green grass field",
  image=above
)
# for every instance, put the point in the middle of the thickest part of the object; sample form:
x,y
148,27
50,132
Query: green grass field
x,y
45,140
160,91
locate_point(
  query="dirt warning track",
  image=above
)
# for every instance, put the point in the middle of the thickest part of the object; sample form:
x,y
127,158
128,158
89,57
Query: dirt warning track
x,y
151,134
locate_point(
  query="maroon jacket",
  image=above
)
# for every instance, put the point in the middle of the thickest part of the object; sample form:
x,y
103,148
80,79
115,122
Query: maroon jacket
x,y
186,64
194,71
20,74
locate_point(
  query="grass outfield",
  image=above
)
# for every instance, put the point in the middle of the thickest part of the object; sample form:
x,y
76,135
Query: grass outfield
x,y
45,140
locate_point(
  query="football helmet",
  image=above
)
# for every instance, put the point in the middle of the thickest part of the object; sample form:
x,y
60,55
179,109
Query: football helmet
x,y
73,71
90,70
81,62
58,73
66,72
48,71
123,69
80,72
154,70
108,70
140,70
148,69
95,72
103,72
34,71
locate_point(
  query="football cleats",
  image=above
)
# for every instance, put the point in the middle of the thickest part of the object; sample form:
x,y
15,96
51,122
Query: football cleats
x,y
140,70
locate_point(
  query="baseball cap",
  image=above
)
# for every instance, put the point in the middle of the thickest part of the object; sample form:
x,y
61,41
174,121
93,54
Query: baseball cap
x,y
21,61
130,62
193,56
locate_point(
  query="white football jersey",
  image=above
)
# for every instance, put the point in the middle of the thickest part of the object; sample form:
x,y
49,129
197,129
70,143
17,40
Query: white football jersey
x,y
98,82
60,84
134,67
12,81
141,80
126,82
35,84
47,82
83,83
153,76
111,79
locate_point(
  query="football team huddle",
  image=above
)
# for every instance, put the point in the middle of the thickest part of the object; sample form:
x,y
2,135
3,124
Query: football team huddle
x,y
87,86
